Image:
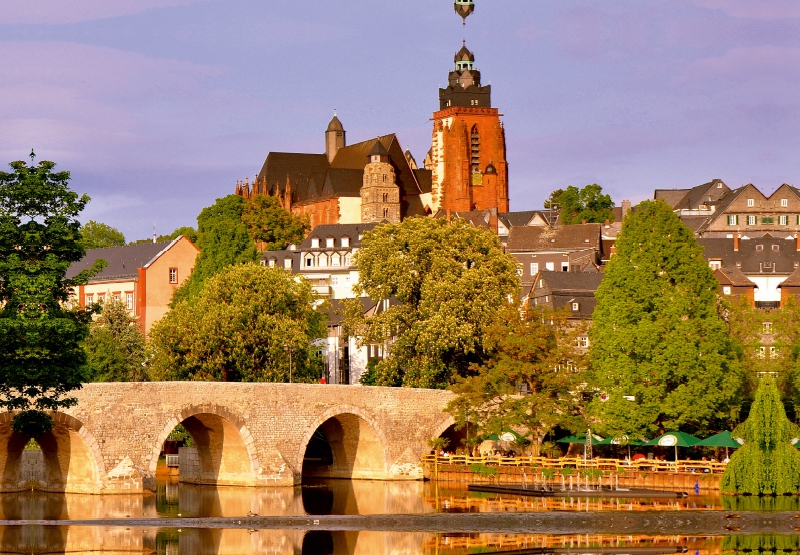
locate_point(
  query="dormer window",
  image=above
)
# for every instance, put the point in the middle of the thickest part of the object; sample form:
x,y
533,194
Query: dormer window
x,y
576,307
329,242
287,264
759,247
315,243
776,247
345,242
715,264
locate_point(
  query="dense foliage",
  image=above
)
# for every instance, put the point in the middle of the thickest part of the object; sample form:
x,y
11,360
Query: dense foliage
x,y
97,235
116,346
223,241
444,281
271,226
534,353
247,324
578,205
767,463
661,355
41,356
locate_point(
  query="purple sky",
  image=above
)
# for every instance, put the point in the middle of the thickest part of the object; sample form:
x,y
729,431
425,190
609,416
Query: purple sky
x,y
159,106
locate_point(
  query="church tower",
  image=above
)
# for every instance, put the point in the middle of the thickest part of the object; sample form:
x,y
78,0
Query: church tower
x,y
334,138
468,148
380,195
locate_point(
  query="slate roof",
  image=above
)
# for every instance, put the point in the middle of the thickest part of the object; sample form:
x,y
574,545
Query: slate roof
x,y
749,258
123,262
792,281
568,237
516,219
572,282
733,276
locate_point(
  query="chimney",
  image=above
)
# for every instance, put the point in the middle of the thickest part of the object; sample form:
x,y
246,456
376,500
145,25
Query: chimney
x,y
736,243
626,208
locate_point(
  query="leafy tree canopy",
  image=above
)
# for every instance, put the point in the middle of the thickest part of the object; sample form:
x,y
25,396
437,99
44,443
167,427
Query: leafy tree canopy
x,y
115,346
271,226
534,353
187,231
446,281
244,325
223,240
96,235
41,357
767,463
578,205
662,358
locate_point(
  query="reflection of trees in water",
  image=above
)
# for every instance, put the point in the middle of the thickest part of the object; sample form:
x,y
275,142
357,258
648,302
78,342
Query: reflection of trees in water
x,y
761,543
758,503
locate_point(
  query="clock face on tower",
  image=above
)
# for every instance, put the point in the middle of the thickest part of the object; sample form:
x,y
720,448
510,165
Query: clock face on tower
x,y
477,179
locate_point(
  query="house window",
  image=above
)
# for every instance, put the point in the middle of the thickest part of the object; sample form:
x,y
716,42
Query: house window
x,y
117,297
345,242
759,247
751,220
173,275
89,300
547,298
784,202
322,261
315,243
576,307
334,280
582,342
101,298
329,242
776,247
129,301
726,290
733,220
751,202
783,220
715,264
534,268
335,260
551,266
565,266
309,261
271,263
287,264
347,260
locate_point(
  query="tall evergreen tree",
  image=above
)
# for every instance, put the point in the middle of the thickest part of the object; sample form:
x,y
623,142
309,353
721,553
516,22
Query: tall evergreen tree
x,y
41,357
223,240
661,355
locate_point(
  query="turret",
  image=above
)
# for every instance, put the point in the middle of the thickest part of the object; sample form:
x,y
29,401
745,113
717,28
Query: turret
x,y
334,138
464,8
464,84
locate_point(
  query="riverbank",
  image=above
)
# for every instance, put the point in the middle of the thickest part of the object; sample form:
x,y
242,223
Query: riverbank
x,y
496,475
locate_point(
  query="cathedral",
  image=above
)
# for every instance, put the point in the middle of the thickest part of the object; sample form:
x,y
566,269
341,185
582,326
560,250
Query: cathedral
x,y
373,181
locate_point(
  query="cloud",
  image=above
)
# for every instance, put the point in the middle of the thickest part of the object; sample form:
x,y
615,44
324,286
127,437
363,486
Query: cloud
x,y
754,9
761,66
72,11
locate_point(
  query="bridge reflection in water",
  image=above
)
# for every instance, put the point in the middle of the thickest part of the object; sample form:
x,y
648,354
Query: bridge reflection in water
x,y
39,540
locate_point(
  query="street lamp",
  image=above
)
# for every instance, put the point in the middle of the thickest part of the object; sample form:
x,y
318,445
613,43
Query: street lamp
x,y
289,349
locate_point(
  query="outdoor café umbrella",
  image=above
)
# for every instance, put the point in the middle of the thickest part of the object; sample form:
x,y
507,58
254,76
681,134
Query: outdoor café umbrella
x,y
580,438
724,439
509,435
620,440
674,439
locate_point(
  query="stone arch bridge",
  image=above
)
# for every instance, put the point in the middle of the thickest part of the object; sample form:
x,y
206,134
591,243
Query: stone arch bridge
x,y
244,434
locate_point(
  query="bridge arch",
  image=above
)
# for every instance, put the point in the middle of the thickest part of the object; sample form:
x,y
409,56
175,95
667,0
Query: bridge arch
x,y
358,446
224,452
69,459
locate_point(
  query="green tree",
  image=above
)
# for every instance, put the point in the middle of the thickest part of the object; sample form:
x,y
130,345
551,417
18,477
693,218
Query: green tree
x,y
223,241
449,280
552,202
661,355
248,323
767,463
578,205
534,353
115,346
271,226
41,357
97,235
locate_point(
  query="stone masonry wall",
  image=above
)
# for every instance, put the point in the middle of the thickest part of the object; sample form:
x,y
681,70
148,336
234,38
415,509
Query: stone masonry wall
x,y
124,426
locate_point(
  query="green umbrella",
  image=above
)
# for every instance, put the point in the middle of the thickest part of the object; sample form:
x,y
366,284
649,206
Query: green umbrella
x,y
674,439
509,435
724,439
621,440
580,438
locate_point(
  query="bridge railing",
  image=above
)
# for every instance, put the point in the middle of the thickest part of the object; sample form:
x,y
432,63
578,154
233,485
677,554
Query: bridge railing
x,y
578,463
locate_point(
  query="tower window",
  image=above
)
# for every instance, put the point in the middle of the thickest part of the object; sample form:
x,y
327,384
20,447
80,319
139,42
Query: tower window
x,y
476,149
385,212
385,197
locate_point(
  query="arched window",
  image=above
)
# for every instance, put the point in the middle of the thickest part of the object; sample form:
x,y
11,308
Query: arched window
x,y
476,150
385,177
385,213
385,197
